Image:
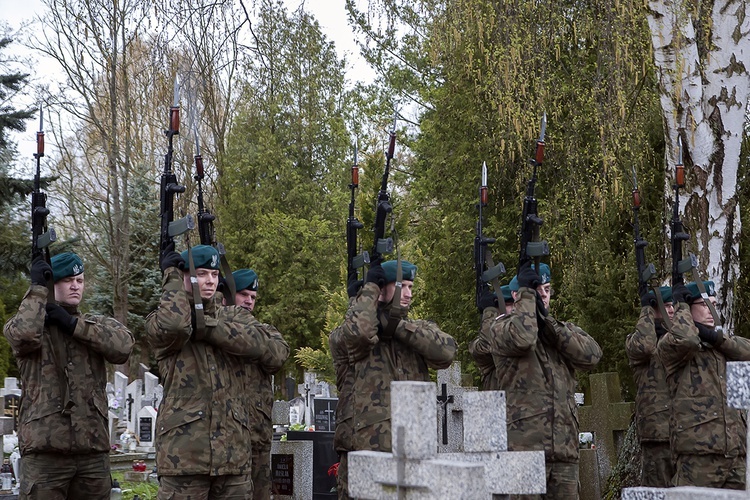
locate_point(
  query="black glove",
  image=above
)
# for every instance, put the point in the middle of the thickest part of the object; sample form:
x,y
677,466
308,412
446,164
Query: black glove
x,y
487,299
376,274
40,270
527,276
680,293
172,259
708,335
541,311
58,316
352,289
648,300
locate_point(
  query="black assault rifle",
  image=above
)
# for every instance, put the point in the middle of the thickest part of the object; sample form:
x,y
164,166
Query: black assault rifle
x,y
531,247
354,261
169,186
484,268
382,244
41,235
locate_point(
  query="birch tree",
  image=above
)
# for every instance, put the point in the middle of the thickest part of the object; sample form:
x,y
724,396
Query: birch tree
x,y
702,53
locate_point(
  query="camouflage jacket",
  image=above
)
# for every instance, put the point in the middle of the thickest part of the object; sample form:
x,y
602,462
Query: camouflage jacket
x,y
480,349
536,369
366,364
652,400
701,422
258,384
44,357
203,425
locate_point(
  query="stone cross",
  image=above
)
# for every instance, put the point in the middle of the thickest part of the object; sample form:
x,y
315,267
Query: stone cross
x,y
450,420
606,416
738,396
121,385
414,470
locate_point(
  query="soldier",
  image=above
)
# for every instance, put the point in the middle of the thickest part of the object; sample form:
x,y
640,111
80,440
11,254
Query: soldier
x,y
652,401
707,437
203,429
535,357
61,354
490,312
376,344
259,386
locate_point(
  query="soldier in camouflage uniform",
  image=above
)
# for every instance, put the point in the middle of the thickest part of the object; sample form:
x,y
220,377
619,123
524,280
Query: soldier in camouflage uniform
x,y
652,400
62,356
707,437
374,346
259,386
534,361
202,429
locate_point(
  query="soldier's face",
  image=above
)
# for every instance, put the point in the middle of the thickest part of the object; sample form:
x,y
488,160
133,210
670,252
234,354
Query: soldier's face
x,y
386,294
701,313
208,280
246,299
69,290
545,292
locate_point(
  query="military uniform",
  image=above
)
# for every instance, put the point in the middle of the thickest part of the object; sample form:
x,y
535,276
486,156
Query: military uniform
x,y
259,389
707,437
367,361
535,366
203,428
60,371
652,400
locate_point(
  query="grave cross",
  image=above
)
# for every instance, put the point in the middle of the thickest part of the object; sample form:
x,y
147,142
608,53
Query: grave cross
x,y
130,402
445,400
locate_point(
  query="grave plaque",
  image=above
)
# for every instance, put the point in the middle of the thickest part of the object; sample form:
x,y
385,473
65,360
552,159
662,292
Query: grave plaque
x,y
282,474
325,414
145,428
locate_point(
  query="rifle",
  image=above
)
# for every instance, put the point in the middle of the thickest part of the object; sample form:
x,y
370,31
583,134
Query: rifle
x,y
354,261
41,235
482,253
680,265
531,247
381,244
206,222
169,186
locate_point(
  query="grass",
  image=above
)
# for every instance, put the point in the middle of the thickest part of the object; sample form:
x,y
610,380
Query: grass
x,y
145,491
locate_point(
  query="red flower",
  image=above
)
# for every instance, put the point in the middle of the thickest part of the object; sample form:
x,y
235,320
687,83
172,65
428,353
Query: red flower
x,y
334,469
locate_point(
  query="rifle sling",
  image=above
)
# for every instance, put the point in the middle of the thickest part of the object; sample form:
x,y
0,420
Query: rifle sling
x,y
200,320
704,296
395,314
662,310
227,272
490,265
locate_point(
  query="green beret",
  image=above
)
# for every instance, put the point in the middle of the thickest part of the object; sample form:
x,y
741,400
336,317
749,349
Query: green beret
x,y
245,279
665,292
513,285
408,271
204,256
545,274
696,294
507,294
65,265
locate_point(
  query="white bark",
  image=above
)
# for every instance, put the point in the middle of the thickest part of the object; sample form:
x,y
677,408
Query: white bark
x,y
702,59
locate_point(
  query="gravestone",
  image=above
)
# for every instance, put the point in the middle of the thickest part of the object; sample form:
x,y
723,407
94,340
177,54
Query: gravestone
x,y
121,386
153,392
324,414
738,396
296,411
413,470
146,430
607,417
134,396
450,408
280,413
11,396
292,470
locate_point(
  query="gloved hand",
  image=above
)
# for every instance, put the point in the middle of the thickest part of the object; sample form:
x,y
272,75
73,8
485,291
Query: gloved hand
x,y
171,259
709,335
352,289
376,274
541,311
648,300
58,316
487,299
40,269
680,293
527,276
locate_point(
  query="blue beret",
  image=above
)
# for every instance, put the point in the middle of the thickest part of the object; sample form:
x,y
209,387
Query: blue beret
x,y
245,279
65,265
507,295
408,271
513,285
204,256
696,294
545,273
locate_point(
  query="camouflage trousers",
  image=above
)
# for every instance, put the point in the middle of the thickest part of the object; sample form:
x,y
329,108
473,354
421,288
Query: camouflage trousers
x,y
657,468
342,483
261,470
562,482
710,471
52,476
205,487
